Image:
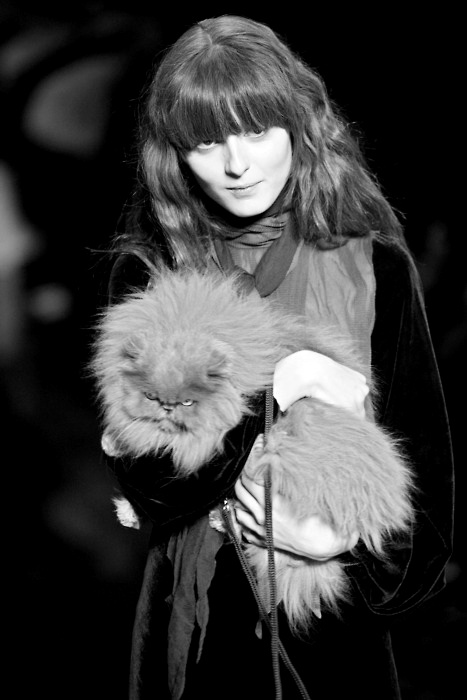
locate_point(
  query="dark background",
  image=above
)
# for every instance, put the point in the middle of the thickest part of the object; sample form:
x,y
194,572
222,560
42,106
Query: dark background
x,y
70,76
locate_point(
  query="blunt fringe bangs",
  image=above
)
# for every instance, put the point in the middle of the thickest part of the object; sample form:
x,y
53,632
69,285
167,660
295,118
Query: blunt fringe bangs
x,y
218,85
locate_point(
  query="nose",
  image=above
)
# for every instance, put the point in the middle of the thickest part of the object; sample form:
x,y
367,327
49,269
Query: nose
x,y
236,156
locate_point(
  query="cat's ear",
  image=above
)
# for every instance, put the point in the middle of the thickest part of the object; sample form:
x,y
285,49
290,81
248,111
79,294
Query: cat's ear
x,y
218,366
133,346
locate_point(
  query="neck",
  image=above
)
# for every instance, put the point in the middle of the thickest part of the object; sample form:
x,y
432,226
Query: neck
x,y
275,215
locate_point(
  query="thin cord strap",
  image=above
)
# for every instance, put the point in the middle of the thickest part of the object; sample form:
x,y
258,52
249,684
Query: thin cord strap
x,y
227,517
271,555
272,586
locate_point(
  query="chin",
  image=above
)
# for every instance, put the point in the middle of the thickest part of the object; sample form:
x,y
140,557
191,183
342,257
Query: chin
x,y
248,209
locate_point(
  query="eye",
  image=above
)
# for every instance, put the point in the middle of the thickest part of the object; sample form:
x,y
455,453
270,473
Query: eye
x,y
151,395
206,145
256,133
187,402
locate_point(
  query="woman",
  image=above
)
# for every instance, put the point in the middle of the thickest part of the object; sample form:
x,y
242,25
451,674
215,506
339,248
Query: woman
x,y
245,164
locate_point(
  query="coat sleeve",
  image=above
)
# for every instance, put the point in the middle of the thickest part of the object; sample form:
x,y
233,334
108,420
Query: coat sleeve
x,y
412,407
169,501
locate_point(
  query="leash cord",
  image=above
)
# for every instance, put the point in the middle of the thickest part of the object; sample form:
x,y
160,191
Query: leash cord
x,y
268,418
227,517
272,586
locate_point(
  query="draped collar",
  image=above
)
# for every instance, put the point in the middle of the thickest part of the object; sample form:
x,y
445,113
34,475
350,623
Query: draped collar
x,y
276,225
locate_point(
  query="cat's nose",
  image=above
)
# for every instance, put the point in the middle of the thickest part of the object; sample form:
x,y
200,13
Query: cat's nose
x,y
168,406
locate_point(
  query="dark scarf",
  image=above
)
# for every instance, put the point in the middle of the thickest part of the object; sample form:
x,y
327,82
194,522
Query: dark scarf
x,y
275,223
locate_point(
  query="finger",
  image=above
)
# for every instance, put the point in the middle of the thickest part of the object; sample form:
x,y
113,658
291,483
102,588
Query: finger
x,y
251,529
234,520
248,490
251,538
249,503
255,485
256,451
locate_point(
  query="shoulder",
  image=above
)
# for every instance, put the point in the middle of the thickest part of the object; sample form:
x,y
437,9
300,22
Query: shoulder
x,y
395,272
392,259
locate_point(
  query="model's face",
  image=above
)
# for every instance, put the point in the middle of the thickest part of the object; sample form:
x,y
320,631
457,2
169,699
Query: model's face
x,y
245,173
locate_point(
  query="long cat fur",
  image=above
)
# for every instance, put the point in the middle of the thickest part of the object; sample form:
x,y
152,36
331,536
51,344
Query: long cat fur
x,y
326,460
194,335
191,336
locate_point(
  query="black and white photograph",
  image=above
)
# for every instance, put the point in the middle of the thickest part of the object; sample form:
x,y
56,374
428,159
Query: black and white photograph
x,y
233,345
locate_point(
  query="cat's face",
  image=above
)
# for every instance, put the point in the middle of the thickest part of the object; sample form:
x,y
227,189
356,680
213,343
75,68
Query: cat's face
x,y
177,385
174,405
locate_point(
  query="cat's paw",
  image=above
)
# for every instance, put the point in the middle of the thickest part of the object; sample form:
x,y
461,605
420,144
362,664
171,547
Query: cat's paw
x,y
125,512
216,521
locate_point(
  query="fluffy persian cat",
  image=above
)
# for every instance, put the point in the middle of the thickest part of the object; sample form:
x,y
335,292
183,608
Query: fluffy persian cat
x,y
176,368
177,365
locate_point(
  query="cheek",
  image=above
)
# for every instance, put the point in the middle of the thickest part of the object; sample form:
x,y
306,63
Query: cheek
x,y
281,162
204,170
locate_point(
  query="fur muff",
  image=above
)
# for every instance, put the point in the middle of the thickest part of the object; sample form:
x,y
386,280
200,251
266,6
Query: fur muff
x,y
176,367
325,460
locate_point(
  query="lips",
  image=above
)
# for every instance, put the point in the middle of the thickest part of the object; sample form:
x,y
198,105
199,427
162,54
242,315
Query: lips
x,y
243,189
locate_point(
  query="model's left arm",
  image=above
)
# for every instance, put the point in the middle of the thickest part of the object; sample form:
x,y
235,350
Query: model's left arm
x,y
412,407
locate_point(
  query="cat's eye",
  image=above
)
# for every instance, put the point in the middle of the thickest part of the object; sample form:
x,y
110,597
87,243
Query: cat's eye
x,y
187,402
151,395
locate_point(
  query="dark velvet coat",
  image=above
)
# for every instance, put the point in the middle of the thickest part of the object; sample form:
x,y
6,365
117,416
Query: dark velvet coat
x,y
342,657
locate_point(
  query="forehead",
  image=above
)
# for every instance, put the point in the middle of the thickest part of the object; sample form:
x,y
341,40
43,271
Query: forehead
x,y
211,110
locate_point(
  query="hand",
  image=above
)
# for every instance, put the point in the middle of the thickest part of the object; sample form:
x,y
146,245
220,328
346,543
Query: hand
x,y
309,537
308,373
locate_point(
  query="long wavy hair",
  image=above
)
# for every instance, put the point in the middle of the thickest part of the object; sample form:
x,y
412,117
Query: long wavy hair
x,y
228,75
